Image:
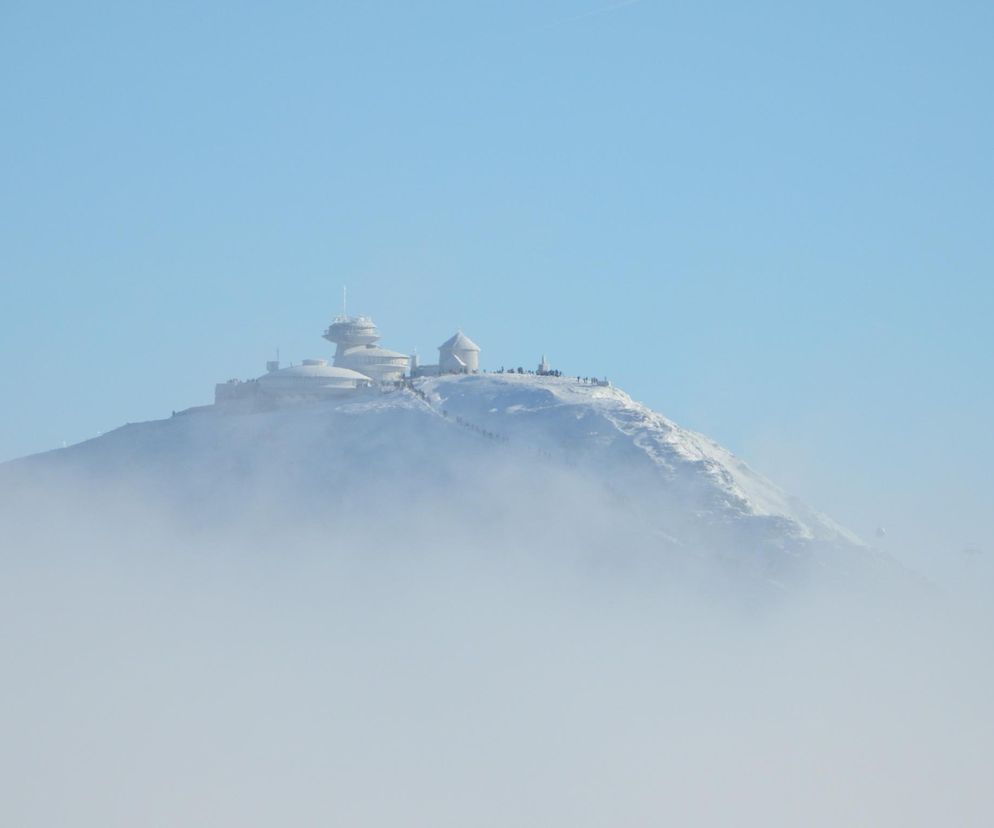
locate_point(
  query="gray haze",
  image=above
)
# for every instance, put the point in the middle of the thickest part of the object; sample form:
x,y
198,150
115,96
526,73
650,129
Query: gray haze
x,y
260,639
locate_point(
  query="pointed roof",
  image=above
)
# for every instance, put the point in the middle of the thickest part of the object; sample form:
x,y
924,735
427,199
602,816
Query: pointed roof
x,y
459,342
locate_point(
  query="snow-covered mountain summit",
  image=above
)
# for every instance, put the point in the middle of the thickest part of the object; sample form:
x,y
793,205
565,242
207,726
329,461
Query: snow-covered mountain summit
x,y
497,460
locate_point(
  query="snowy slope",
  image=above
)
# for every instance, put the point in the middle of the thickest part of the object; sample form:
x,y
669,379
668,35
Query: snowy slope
x,y
495,461
609,428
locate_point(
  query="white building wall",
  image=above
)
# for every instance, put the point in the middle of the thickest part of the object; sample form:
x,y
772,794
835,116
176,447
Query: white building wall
x,y
378,363
471,360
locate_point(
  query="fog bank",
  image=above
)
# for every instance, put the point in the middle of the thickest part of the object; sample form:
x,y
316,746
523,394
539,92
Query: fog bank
x,y
517,662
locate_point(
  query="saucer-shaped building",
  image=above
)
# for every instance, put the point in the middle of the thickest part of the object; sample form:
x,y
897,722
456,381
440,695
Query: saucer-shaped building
x,y
312,378
356,338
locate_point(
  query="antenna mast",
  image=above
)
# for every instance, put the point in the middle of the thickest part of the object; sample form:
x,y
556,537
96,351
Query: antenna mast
x,y
344,295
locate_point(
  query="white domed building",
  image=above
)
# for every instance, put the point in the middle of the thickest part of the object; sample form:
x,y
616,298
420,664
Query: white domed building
x,y
312,379
459,355
356,338
359,364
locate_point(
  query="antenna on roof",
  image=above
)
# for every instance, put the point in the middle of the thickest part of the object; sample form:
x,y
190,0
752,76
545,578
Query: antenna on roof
x,y
344,295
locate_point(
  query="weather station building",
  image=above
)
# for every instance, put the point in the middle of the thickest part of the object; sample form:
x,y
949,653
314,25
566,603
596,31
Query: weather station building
x,y
360,364
355,338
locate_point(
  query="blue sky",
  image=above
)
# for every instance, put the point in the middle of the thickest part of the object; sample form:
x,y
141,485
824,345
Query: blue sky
x,y
770,221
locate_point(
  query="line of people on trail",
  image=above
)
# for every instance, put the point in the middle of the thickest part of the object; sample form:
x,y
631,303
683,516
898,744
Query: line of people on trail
x,y
483,432
555,372
490,435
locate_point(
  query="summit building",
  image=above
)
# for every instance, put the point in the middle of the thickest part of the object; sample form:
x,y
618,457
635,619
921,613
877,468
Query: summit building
x,y
359,363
